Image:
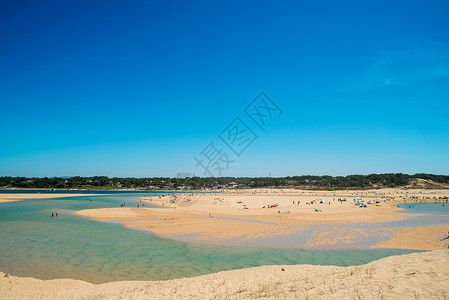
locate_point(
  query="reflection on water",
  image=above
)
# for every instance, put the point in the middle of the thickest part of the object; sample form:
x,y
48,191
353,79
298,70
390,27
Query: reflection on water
x,y
32,243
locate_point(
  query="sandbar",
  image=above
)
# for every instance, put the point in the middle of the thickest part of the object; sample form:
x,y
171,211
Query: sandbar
x,y
13,197
246,215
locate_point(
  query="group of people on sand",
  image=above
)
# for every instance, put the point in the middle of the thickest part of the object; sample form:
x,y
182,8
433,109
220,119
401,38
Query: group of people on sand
x,y
54,215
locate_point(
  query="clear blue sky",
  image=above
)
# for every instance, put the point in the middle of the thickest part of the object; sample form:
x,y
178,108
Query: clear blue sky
x,y
140,88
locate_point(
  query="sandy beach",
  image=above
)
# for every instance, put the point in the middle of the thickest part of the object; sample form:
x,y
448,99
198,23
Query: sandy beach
x,y
246,215
4,198
412,276
264,214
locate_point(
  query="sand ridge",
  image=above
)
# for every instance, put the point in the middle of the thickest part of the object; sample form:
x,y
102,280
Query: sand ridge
x,y
412,276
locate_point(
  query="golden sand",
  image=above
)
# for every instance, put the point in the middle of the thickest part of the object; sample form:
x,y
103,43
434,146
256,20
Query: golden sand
x,y
222,216
412,276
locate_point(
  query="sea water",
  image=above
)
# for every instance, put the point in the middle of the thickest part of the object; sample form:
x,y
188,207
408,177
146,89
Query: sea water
x,y
34,244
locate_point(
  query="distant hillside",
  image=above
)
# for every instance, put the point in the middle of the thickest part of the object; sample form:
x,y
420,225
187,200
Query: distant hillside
x,y
426,183
305,182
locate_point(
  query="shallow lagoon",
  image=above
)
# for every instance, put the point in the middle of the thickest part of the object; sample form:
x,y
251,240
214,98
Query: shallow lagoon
x,y
34,244
430,207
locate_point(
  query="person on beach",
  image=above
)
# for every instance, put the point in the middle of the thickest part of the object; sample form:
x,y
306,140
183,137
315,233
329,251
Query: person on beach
x,y
447,237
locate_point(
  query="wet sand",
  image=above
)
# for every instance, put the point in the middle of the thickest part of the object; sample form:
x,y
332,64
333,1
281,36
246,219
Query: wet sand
x,y
244,215
5,198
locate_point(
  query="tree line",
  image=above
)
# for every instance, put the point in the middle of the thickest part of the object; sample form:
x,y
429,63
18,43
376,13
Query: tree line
x,y
153,183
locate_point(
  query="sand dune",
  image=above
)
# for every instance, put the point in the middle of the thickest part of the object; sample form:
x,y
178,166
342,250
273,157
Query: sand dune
x,y
412,276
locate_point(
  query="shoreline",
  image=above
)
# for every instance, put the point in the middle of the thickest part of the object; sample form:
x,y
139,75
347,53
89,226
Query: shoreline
x,y
391,278
17,197
239,218
242,218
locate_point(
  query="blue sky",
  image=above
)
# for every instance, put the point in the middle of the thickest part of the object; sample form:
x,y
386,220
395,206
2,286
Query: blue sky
x,y
140,89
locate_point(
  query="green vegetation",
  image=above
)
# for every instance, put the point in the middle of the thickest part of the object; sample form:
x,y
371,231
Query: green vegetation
x,y
307,181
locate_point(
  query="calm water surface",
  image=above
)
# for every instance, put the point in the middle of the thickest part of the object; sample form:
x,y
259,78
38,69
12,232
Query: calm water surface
x,y
32,243
432,207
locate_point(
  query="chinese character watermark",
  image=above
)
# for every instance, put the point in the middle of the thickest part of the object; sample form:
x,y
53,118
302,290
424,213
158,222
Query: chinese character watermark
x,y
261,109
237,136
213,160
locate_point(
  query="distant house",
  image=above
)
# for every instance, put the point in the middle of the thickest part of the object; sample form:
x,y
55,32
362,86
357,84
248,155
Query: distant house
x,y
232,185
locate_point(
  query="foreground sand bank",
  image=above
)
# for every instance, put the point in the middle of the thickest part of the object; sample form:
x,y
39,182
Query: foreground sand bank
x,y
4,198
264,214
412,276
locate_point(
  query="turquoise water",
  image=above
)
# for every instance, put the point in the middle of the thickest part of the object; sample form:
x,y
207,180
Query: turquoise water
x,y
34,244
433,208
